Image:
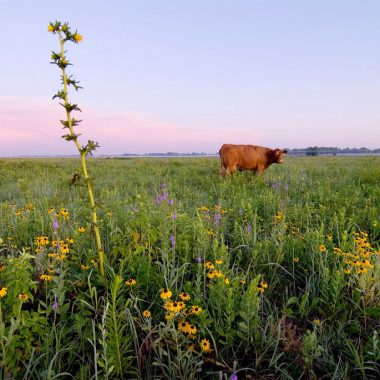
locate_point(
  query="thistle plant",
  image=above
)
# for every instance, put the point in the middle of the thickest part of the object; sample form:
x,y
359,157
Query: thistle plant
x,y
59,58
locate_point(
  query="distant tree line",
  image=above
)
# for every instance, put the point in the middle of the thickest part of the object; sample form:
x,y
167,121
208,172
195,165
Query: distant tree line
x,y
333,151
309,151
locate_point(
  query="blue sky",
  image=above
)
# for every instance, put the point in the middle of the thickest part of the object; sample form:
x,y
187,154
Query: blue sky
x,y
190,75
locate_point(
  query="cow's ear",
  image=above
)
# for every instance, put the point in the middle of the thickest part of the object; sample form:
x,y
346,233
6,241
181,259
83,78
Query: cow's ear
x,y
285,151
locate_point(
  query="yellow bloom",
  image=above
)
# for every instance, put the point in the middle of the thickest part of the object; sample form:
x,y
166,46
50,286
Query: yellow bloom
x,y
46,277
184,296
50,210
130,282
226,280
3,292
23,296
169,316
362,270
196,310
77,37
192,330
218,261
84,267
205,345
184,326
322,248
209,265
296,259
50,28
347,271
81,230
147,314
317,322
165,294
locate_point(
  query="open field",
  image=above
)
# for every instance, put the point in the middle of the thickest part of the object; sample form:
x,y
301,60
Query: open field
x,y
271,277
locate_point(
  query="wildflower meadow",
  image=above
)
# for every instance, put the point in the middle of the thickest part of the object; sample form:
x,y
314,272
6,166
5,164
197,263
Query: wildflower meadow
x,y
272,276
156,268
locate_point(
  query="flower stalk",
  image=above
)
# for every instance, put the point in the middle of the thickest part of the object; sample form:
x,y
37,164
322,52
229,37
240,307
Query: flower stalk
x,y
59,58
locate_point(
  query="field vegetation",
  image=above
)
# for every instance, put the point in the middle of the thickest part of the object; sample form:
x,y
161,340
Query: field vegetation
x,y
252,277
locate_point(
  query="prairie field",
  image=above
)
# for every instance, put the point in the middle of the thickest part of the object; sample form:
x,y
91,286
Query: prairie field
x,y
251,277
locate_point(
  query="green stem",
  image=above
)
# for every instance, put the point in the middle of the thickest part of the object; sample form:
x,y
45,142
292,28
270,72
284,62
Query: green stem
x,y
94,218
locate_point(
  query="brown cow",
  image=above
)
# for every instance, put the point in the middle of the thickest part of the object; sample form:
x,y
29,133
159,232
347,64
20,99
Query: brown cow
x,y
247,157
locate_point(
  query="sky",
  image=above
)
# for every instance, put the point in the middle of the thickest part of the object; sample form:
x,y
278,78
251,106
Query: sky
x,y
188,76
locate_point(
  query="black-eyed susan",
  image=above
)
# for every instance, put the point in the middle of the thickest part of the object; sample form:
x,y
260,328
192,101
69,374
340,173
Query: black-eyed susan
x,y
362,270
46,277
23,297
262,286
205,345
3,292
218,261
197,310
192,330
84,267
174,307
226,280
147,314
183,326
130,282
296,259
169,316
209,265
184,296
322,248
316,321
81,230
166,294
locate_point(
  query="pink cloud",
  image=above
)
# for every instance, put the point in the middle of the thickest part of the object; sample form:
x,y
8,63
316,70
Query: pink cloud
x,y
31,127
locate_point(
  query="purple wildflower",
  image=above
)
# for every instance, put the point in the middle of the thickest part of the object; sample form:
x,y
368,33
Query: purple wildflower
x,y
55,225
55,304
174,216
248,229
286,187
234,376
172,240
199,259
163,185
171,201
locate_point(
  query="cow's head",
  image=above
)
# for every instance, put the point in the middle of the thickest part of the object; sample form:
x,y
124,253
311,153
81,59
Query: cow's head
x,y
279,155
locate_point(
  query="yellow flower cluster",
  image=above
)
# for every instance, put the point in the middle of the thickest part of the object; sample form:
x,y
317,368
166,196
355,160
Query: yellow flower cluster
x,y
62,212
362,260
262,286
279,216
216,273
41,241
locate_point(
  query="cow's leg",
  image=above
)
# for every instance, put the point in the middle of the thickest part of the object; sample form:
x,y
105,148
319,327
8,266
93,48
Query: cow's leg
x,y
230,170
